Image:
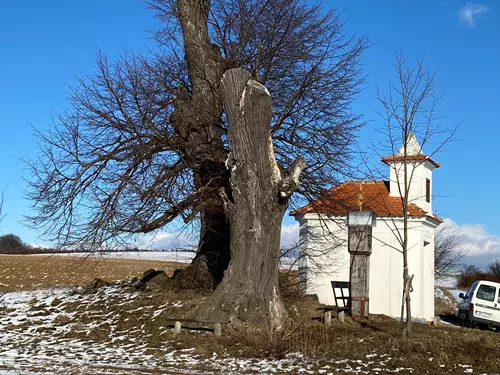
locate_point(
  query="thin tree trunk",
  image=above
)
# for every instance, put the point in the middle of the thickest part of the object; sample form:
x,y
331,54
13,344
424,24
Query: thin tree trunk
x,y
258,199
404,304
408,307
405,328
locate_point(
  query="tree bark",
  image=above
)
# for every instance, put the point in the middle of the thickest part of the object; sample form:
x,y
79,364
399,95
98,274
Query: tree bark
x,y
197,120
259,195
212,256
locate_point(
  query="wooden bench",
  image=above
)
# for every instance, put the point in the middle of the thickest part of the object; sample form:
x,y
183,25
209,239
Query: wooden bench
x,y
327,313
198,325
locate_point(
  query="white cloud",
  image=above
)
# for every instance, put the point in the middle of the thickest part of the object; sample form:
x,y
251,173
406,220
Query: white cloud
x,y
41,245
166,241
186,240
289,234
483,247
471,12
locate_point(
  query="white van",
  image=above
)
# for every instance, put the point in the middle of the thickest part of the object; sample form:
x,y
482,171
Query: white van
x,y
480,305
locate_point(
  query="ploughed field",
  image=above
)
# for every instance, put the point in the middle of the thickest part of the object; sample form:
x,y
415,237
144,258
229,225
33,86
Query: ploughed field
x,y
28,272
51,323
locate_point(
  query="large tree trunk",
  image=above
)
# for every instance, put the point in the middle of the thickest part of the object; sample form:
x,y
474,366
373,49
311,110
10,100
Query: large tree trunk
x,y
212,256
197,120
255,206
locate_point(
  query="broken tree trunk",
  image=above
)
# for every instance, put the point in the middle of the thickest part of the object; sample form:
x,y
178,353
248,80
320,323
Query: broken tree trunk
x,y
255,205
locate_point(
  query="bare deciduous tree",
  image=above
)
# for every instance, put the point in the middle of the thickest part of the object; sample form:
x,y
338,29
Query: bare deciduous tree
x,y
469,270
145,139
409,114
449,250
494,268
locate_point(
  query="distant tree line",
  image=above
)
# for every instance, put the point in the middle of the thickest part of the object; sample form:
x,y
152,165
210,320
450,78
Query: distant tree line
x,y
449,252
471,273
13,244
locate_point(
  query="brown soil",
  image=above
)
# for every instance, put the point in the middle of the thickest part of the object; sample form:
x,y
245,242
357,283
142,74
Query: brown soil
x,y
27,272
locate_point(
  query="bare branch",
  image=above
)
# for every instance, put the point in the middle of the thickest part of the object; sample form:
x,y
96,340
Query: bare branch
x,y
449,250
144,138
409,115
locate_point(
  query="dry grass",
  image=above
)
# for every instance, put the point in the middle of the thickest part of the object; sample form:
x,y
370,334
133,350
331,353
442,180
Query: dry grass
x,y
429,350
148,317
27,272
446,305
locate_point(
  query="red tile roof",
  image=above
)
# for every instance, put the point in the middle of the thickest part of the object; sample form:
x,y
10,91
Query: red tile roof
x,y
420,157
371,196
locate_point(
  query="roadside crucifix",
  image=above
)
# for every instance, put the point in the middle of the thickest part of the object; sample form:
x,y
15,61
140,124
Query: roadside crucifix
x,y
360,249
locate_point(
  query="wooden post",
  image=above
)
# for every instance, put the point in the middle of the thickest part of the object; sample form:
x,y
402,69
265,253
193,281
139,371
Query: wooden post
x,y
341,316
328,318
360,248
177,328
217,329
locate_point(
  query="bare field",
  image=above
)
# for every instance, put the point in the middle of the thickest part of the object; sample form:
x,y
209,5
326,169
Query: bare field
x,y
49,327
28,272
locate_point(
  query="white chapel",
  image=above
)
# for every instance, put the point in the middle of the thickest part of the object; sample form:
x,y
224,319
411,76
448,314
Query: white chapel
x,y
323,237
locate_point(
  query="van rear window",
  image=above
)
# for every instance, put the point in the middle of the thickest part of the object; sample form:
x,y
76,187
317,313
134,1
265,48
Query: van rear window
x,y
486,293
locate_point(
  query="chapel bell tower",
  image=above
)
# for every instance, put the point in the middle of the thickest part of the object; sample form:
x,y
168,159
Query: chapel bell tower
x,y
419,173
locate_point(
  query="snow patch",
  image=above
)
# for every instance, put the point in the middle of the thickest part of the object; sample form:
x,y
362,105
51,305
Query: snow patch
x,y
35,339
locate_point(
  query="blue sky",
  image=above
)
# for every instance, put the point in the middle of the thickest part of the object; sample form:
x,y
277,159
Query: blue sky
x,y
45,45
